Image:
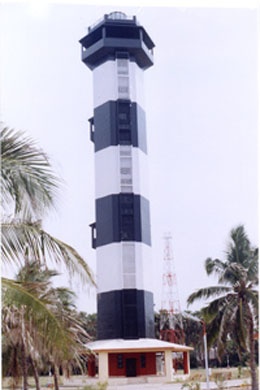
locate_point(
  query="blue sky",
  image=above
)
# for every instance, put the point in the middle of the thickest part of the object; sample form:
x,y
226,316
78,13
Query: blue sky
x,y
202,125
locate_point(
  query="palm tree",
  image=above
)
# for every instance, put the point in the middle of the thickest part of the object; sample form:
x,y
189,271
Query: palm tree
x,y
233,310
73,356
25,333
28,191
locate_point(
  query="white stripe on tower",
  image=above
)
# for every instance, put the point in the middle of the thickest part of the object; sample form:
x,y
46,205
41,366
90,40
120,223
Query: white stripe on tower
x,y
131,168
106,87
120,264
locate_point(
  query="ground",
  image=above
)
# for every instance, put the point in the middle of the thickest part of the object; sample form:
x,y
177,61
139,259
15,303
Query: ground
x,y
220,378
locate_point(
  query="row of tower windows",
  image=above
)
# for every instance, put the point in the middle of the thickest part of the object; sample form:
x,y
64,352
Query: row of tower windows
x,y
130,32
123,78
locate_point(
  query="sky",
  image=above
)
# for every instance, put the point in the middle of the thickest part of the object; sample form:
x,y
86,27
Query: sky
x,y
202,125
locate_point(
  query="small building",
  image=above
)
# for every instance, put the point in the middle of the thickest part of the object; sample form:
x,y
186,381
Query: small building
x,y
138,358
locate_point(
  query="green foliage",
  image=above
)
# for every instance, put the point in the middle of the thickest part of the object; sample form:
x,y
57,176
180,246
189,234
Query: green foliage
x,y
29,189
89,322
45,318
39,323
27,180
232,312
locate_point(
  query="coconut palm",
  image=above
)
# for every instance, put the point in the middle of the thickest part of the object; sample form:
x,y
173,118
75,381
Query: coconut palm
x,y
27,180
24,332
74,355
28,191
233,309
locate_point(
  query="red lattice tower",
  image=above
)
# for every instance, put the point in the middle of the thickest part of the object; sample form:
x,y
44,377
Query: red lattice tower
x,y
171,327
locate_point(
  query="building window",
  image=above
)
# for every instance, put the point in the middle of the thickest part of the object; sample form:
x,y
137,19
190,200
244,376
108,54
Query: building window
x,y
127,217
123,87
143,360
124,123
120,361
125,136
123,78
126,179
128,262
122,66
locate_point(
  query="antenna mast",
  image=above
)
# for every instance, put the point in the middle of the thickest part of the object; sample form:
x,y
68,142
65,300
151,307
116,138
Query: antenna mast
x,y
171,326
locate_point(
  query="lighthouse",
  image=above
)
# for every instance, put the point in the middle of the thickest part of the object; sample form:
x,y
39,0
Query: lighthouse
x,y
117,49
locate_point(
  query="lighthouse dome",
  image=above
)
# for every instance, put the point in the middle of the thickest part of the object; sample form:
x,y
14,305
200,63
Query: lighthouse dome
x,y
117,15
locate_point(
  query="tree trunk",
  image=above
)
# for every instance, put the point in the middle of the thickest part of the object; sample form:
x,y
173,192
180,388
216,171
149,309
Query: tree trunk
x,y
56,377
24,367
35,374
15,373
252,361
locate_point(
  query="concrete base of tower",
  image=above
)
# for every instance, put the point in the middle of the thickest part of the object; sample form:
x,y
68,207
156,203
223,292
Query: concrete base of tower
x,y
142,358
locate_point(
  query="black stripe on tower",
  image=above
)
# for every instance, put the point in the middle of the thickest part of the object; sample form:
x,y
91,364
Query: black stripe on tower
x,y
120,122
122,217
126,314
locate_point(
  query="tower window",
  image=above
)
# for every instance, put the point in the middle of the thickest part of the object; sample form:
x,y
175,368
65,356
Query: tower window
x,y
129,268
123,87
126,32
126,179
124,123
122,66
125,136
123,78
127,217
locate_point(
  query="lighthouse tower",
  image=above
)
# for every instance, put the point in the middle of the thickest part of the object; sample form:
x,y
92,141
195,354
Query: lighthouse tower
x,y
118,50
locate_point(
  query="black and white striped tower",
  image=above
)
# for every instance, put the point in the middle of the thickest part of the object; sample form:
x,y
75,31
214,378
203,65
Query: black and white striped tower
x,y
118,50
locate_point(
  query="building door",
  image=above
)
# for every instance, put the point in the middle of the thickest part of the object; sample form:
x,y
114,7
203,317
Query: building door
x,y
131,367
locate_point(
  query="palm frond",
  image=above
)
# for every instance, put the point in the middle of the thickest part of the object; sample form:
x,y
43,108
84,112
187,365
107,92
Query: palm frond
x,y
36,310
27,179
239,246
252,269
19,237
252,297
233,273
215,266
207,292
